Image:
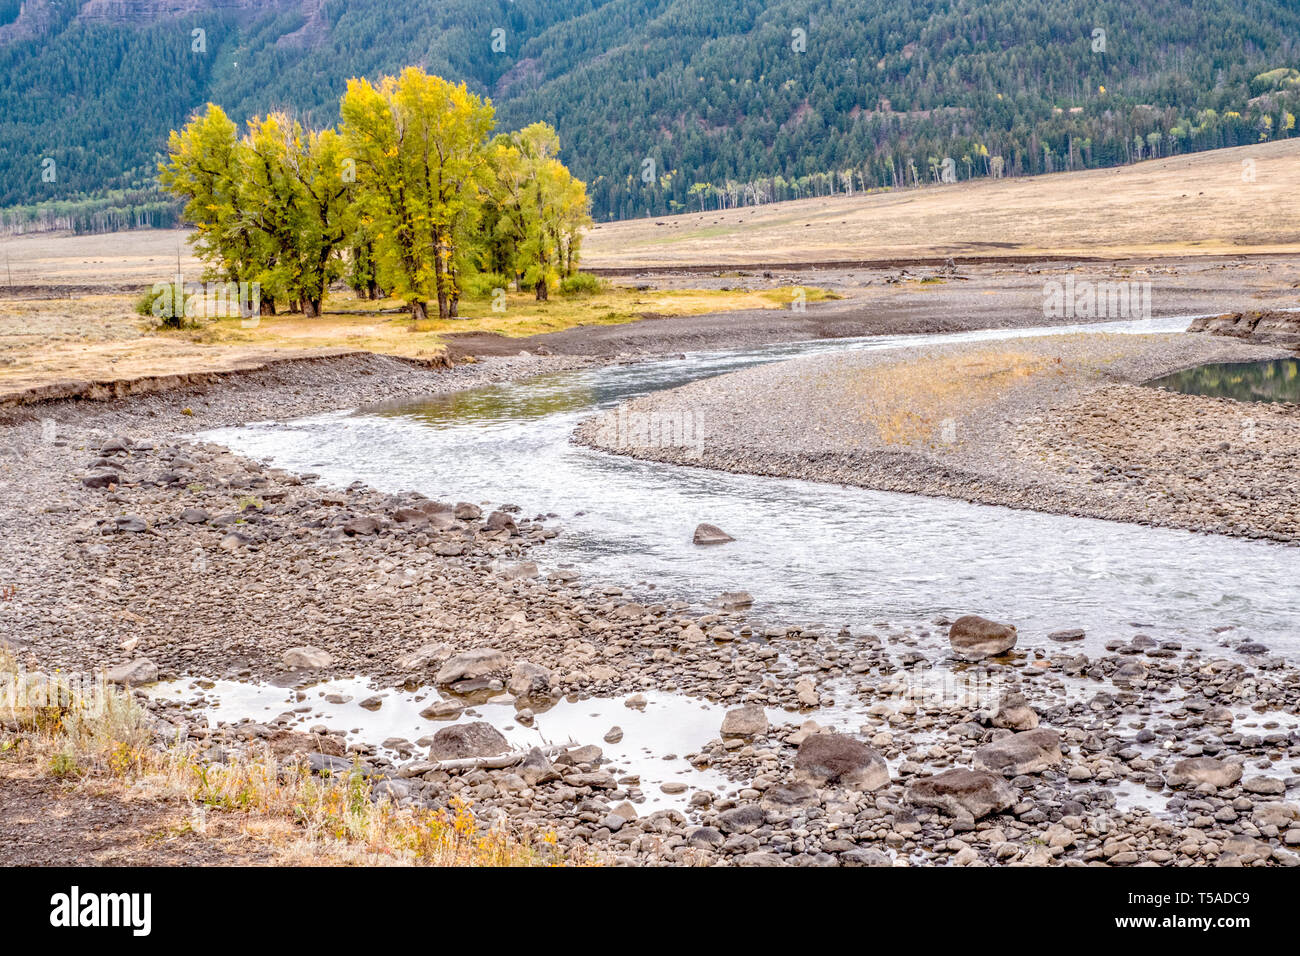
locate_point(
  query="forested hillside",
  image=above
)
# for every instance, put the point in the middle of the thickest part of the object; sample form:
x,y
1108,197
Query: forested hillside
x,y
663,105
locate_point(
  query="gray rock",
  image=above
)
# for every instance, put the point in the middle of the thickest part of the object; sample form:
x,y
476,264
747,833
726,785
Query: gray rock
x,y
711,534
974,638
962,793
828,759
468,665
476,739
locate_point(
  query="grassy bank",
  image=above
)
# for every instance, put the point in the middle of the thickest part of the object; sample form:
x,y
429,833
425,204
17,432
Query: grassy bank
x,y
101,337
104,743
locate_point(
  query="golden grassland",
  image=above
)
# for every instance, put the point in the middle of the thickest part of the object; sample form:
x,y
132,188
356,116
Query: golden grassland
x,y
907,401
105,744
101,338
1198,204
364,325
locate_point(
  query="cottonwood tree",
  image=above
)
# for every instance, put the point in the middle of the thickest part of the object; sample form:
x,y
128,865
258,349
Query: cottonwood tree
x,y
541,209
419,143
269,207
295,193
205,167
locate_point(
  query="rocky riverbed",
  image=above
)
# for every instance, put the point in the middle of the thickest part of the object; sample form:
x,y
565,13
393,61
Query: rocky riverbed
x,y
1058,424
133,548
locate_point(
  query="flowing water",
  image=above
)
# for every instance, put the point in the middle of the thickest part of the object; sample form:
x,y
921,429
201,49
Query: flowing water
x,y
810,554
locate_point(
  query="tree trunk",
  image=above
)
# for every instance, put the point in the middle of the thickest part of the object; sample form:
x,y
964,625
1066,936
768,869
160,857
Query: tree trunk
x,y
419,312
542,293
311,308
268,307
454,307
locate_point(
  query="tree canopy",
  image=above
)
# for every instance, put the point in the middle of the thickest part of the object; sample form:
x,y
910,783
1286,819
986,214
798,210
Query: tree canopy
x,y
409,194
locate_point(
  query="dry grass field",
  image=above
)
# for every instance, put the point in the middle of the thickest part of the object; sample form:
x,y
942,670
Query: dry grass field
x,y
1198,204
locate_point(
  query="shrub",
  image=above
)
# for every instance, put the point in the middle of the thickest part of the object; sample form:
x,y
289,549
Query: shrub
x,y
481,284
582,283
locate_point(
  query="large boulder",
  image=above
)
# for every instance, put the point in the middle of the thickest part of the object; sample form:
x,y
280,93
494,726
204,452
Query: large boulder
x,y
536,768
423,656
974,638
1029,751
1198,770
748,720
139,671
962,793
306,658
477,739
1014,713
470,665
529,680
711,534
829,759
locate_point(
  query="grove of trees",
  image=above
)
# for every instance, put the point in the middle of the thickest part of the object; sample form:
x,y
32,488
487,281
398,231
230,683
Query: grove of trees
x,y
410,194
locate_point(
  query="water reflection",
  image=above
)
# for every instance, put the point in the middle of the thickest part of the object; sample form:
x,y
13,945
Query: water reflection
x,y
1274,381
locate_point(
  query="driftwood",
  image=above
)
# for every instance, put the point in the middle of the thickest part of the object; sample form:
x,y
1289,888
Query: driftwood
x,y
484,763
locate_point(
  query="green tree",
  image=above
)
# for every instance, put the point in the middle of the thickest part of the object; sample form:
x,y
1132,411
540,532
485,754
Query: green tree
x,y
419,144
295,191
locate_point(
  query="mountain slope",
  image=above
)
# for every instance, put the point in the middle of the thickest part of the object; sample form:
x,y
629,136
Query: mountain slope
x,y
666,105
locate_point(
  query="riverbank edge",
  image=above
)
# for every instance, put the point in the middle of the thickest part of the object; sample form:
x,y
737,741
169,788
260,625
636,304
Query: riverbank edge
x,y
902,469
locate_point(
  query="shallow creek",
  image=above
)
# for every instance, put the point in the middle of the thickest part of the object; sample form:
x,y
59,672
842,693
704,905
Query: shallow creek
x,y
808,553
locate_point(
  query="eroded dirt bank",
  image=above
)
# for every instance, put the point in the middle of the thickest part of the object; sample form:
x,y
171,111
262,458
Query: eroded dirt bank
x,y
133,547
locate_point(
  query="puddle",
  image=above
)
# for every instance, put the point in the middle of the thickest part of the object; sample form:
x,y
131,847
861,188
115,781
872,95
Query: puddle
x,y
656,738
1274,381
